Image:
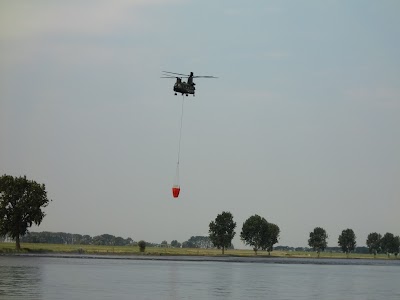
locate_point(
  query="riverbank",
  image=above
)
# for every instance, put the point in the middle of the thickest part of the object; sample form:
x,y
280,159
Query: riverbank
x,y
33,248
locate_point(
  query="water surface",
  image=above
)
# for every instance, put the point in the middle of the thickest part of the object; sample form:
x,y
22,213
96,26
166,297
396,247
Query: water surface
x,y
69,277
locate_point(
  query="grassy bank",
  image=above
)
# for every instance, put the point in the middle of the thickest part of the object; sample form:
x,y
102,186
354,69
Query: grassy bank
x,y
134,250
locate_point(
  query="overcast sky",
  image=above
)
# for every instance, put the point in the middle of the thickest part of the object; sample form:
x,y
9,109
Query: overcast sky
x,y
302,127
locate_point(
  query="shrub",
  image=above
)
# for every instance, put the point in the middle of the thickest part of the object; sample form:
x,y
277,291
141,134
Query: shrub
x,y
142,245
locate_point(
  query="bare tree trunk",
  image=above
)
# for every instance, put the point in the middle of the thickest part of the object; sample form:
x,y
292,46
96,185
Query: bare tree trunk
x,y
223,250
17,243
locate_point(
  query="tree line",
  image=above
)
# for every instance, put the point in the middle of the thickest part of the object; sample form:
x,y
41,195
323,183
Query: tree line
x,y
376,243
47,237
22,201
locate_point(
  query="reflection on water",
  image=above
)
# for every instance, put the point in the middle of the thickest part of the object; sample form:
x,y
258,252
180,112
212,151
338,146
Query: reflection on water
x,y
20,279
88,278
222,281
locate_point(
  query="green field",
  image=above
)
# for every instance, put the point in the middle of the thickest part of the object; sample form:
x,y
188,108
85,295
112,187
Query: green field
x,y
134,250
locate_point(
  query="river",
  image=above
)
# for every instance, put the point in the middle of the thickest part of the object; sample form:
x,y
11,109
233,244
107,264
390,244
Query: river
x,y
107,277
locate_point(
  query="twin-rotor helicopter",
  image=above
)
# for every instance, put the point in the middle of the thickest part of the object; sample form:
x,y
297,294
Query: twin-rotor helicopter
x,y
185,88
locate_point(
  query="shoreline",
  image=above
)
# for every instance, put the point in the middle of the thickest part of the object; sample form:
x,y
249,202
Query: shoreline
x,y
189,254
221,258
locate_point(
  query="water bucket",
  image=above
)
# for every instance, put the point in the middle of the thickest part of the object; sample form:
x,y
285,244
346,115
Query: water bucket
x,y
175,191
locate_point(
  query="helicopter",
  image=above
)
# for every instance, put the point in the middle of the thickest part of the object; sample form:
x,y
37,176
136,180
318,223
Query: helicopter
x,y
185,88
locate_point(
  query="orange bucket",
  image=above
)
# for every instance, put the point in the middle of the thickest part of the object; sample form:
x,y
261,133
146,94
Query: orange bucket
x,y
175,191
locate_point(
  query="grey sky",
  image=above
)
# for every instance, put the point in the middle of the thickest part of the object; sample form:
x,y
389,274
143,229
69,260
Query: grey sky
x,y
302,126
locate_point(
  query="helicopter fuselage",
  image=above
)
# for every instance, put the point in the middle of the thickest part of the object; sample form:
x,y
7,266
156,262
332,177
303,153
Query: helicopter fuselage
x,y
184,88
180,86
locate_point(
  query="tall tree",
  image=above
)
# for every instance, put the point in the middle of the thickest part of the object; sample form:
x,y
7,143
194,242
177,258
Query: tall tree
x,y
390,243
318,239
21,203
374,243
273,236
396,248
255,232
347,241
222,231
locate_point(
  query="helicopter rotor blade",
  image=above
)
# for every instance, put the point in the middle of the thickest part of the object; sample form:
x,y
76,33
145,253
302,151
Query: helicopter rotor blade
x,y
167,73
204,77
175,73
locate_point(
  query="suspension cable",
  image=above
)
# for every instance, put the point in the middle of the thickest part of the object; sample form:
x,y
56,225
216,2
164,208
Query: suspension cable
x,y
180,131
